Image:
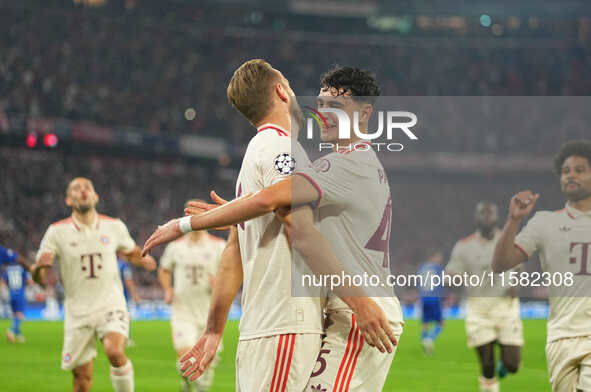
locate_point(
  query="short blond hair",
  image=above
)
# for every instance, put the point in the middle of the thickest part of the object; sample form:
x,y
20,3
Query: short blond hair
x,y
250,87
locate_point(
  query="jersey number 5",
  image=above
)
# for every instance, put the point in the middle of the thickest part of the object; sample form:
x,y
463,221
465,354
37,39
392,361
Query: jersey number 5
x,y
380,240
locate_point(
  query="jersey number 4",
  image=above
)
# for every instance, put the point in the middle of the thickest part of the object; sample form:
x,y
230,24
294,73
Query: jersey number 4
x,y
380,240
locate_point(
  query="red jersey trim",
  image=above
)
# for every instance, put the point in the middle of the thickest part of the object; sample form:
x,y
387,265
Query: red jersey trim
x,y
469,238
65,221
315,185
62,221
106,217
522,250
280,132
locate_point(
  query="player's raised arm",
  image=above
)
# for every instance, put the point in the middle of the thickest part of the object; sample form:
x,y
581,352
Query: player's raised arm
x,y
198,359
241,209
507,255
255,204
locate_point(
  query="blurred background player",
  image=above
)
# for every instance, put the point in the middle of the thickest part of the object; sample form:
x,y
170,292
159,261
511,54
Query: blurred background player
x,y
16,278
563,238
492,313
191,262
129,290
9,256
86,245
431,301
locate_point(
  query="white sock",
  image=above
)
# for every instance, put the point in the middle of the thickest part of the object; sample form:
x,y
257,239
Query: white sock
x,y
122,377
488,384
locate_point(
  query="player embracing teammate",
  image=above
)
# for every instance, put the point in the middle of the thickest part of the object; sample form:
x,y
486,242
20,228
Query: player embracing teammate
x,y
357,227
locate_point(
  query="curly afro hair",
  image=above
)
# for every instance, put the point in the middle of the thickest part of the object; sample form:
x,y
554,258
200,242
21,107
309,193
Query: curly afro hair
x,y
581,148
360,83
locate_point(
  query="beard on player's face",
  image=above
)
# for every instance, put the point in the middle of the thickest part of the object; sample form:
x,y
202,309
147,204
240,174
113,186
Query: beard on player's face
x,y
486,226
83,204
576,193
82,208
576,189
486,218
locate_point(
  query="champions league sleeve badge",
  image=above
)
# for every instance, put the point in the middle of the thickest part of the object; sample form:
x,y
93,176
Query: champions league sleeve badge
x,y
284,163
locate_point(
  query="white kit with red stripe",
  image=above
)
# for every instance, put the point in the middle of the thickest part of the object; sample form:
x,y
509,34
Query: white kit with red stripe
x,y
345,362
87,257
563,240
473,255
279,363
354,213
268,307
192,264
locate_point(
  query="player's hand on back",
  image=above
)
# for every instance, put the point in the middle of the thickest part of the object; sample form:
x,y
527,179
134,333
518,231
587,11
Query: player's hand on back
x,y
196,207
194,363
374,325
521,204
164,234
149,263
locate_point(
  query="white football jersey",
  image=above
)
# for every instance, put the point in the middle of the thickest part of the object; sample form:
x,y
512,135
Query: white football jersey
x,y
563,239
473,255
354,214
87,257
192,263
268,307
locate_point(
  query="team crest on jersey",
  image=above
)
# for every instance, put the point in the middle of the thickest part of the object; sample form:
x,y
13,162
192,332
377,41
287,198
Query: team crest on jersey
x,y
321,165
564,228
285,163
105,239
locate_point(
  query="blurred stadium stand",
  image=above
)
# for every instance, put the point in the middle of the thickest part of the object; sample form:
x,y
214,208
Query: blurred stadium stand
x,y
135,91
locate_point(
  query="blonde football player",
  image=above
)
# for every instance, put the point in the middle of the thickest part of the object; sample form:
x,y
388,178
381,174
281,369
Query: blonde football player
x,y
272,320
361,231
192,262
280,335
563,240
86,246
492,311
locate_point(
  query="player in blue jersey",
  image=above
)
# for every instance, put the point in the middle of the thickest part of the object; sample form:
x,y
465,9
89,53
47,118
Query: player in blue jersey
x,y
16,278
129,288
431,301
8,256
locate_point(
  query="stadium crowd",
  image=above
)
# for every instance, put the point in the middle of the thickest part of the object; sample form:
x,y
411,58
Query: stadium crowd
x,y
429,211
126,71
